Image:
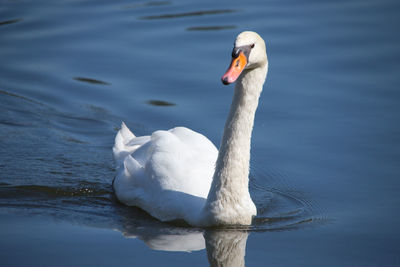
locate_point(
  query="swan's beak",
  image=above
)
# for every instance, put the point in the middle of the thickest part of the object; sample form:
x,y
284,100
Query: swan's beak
x,y
237,66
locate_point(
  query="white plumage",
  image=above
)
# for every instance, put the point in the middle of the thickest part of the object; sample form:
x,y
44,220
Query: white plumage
x,y
179,174
168,174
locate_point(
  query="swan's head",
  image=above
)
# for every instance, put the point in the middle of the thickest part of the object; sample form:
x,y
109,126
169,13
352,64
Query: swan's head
x,y
249,52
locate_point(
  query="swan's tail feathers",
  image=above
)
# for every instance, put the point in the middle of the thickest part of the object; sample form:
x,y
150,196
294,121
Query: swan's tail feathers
x,y
125,132
126,143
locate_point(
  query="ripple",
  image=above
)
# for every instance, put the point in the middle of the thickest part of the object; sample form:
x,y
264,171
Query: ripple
x,y
160,103
282,207
82,125
147,4
286,211
11,21
90,80
24,191
11,123
211,28
74,140
7,93
189,14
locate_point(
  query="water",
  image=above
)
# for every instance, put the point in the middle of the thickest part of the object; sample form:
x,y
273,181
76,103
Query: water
x,y
325,147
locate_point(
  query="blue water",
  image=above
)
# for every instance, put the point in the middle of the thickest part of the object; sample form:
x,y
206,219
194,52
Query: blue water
x,y
325,148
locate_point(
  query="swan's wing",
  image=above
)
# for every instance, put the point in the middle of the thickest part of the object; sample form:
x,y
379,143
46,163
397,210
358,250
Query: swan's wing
x,y
167,174
182,160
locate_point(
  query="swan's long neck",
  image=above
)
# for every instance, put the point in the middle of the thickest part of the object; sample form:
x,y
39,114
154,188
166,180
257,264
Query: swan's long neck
x,y
232,167
230,182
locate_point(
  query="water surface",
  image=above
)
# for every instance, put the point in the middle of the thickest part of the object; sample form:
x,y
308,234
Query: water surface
x,y
325,148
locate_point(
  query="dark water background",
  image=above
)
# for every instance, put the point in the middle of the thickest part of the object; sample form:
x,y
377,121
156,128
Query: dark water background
x,y
325,150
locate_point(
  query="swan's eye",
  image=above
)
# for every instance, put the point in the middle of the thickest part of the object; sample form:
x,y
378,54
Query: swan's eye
x,y
252,45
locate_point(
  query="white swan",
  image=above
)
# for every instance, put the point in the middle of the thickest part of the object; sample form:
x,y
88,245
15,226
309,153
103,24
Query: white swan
x,y
179,174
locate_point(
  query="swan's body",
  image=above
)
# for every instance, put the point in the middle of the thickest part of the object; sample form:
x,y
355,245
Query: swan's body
x,y
179,174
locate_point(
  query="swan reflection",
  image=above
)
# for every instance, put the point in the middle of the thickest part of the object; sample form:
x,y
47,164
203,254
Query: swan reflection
x,y
224,247
169,239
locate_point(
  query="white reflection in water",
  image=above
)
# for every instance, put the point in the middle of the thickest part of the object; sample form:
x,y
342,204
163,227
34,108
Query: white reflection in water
x,y
224,247
174,240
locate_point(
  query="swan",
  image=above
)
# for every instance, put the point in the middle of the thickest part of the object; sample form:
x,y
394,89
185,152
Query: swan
x,y
179,174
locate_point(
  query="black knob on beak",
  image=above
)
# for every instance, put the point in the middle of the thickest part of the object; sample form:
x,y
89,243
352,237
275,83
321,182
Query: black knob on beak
x,y
235,52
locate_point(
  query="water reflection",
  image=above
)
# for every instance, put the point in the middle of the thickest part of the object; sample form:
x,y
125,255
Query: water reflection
x,y
168,238
225,247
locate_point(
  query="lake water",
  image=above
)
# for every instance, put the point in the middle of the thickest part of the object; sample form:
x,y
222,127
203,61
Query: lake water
x,y
325,168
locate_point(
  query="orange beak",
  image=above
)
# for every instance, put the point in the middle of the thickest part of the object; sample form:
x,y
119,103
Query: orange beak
x,y
236,68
